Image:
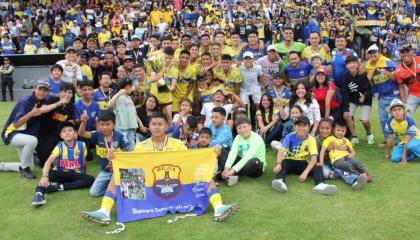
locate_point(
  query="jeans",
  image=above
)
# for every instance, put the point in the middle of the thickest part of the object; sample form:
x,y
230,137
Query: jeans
x,y
413,103
413,151
100,184
347,177
69,180
383,103
274,133
130,135
25,145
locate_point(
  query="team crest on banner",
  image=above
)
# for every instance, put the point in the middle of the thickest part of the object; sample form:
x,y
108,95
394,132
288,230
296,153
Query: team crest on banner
x,y
166,183
153,184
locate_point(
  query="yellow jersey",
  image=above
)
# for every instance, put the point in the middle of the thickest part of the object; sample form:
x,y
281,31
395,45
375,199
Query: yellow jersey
x,y
171,144
184,78
337,145
162,93
231,79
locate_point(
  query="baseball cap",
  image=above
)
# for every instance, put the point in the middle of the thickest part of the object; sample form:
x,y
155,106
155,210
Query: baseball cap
x,y
135,37
77,39
248,54
321,70
373,47
302,119
405,46
43,84
128,57
396,102
271,47
316,55
71,49
240,110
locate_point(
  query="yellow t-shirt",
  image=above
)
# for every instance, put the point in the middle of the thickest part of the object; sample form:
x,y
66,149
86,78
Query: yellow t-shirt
x,y
206,94
167,16
260,29
234,77
308,52
103,37
155,17
172,144
162,93
337,144
181,87
267,115
86,71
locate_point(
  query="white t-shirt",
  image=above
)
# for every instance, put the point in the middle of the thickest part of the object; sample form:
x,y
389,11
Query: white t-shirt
x,y
250,77
208,107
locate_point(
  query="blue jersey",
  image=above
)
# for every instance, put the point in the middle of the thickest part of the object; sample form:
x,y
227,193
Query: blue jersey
x,y
339,65
92,111
119,142
55,87
70,158
256,51
8,48
101,98
285,94
299,149
301,73
23,107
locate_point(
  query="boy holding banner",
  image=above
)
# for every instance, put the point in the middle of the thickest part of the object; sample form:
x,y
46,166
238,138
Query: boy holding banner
x,y
157,142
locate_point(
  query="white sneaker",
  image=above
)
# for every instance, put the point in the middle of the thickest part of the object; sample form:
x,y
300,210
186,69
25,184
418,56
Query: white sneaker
x,y
370,139
354,140
324,189
279,185
276,145
360,181
232,180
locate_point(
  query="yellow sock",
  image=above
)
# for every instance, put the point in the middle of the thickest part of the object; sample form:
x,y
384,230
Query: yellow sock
x,y
215,199
108,202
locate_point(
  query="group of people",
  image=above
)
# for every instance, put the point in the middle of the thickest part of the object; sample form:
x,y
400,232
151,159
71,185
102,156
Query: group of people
x,y
237,89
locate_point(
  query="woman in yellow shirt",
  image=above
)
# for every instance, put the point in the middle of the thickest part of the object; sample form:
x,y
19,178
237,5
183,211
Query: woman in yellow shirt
x,y
316,47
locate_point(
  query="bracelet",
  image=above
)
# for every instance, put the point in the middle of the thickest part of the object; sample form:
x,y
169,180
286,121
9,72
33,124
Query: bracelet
x,y
44,175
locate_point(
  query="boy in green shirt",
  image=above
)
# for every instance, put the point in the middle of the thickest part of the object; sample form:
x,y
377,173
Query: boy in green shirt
x,y
247,155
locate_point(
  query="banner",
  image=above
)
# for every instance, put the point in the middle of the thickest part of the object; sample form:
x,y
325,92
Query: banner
x,y
367,23
153,184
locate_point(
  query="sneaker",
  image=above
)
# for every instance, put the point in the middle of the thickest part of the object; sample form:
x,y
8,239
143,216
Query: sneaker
x,y
279,185
232,180
324,189
360,181
370,139
354,140
224,211
276,145
26,173
38,200
97,217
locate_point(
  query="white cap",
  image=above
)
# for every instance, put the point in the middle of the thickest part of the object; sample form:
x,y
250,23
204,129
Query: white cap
x,y
373,47
248,54
396,102
271,47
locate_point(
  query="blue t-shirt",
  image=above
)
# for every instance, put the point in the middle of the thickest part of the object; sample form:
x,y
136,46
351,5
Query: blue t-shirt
x,y
54,87
23,107
338,63
221,136
119,142
8,48
101,99
92,111
301,73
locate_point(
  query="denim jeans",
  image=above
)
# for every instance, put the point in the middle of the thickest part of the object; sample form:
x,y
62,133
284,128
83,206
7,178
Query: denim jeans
x,y
100,184
347,177
383,103
274,133
130,135
413,103
413,151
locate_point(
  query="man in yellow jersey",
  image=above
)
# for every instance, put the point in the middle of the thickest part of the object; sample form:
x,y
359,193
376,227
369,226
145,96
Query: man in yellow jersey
x,y
229,76
158,123
185,82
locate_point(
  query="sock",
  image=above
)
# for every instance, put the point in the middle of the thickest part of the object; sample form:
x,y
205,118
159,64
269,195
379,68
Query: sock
x,y
215,199
108,202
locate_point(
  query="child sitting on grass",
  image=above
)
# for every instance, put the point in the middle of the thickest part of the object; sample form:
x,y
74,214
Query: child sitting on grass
x,y
69,171
342,155
288,127
405,129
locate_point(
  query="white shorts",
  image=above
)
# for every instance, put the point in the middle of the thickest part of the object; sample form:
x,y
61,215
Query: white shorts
x,y
255,94
365,111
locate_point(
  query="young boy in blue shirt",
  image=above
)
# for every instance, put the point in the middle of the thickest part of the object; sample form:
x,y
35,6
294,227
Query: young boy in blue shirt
x,y
69,172
221,133
105,138
405,129
297,148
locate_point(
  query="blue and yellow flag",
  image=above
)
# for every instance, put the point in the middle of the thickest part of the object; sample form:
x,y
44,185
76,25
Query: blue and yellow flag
x,y
153,184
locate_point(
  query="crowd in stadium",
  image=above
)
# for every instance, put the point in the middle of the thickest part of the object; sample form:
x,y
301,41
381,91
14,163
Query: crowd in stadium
x,y
238,76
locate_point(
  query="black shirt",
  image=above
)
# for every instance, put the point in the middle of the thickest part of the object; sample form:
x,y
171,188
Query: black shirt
x,y
353,88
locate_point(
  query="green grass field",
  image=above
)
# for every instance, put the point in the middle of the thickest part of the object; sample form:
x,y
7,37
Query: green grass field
x,y
387,208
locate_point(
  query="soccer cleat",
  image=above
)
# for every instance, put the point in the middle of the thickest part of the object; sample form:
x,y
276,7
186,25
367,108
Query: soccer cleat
x,y
360,181
354,140
97,217
370,139
324,189
224,211
38,200
279,185
232,180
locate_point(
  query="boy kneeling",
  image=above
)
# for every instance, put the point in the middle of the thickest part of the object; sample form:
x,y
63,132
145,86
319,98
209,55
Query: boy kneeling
x,y
292,157
70,169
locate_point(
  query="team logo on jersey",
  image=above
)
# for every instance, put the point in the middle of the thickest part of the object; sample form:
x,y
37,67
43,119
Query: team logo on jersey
x,y
166,183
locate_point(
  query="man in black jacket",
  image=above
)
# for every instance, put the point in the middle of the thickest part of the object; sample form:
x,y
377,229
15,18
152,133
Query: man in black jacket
x,y
356,93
